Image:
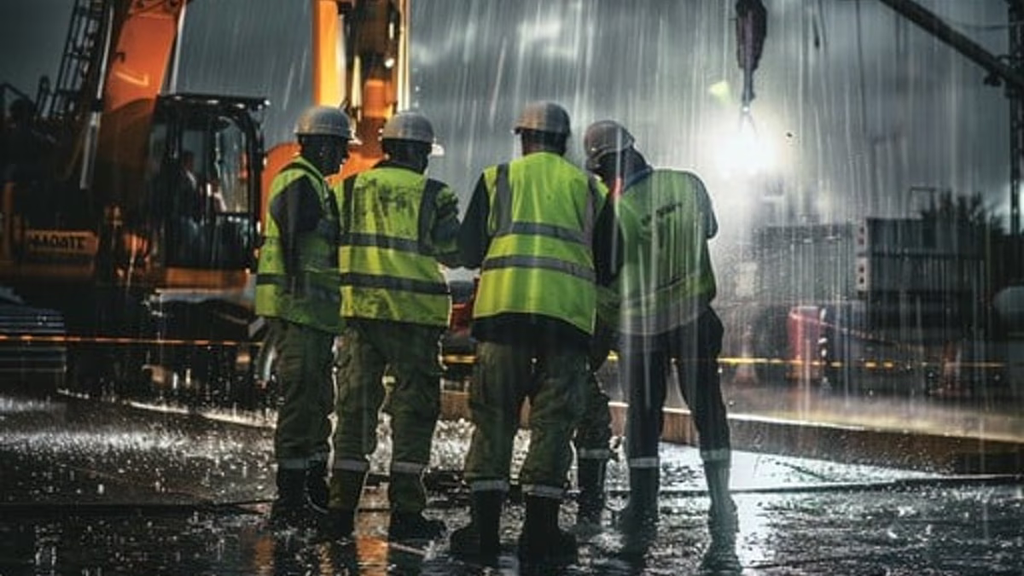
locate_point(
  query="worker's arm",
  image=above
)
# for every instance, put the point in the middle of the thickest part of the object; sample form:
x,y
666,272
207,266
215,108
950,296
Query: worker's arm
x,y
444,234
707,210
473,238
296,210
607,245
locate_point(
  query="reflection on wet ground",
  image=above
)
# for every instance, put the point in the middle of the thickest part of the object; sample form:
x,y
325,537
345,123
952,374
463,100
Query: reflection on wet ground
x,y
991,419
110,489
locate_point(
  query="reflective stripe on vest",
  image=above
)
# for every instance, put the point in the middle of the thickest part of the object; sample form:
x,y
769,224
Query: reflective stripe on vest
x,y
540,259
388,272
310,296
666,279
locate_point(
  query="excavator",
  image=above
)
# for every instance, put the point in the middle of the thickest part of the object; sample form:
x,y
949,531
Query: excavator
x,y
130,215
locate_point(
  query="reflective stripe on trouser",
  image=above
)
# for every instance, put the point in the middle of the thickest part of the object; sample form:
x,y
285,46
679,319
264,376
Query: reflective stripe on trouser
x,y
307,393
594,431
504,376
645,364
410,354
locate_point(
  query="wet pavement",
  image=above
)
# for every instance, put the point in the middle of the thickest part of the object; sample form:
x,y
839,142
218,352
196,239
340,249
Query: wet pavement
x,y
91,489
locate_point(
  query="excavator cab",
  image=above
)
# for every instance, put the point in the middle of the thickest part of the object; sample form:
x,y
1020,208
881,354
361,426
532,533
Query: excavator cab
x,y
201,199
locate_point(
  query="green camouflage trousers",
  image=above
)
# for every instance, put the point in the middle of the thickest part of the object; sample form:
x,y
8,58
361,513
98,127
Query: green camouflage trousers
x,y
305,357
504,376
410,354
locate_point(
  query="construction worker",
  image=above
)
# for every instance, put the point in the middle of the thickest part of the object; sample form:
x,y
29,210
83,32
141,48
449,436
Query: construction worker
x,y
666,286
297,290
400,228
537,229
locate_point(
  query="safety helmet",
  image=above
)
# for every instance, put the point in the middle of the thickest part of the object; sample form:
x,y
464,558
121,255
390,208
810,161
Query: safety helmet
x,y
543,117
604,137
324,121
414,127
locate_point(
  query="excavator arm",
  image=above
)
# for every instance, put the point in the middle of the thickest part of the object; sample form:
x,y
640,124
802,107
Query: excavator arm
x,y
360,62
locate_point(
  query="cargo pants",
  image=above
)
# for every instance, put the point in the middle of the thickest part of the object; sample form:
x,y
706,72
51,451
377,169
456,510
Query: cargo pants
x,y
646,360
410,354
304,370
594,432
553,377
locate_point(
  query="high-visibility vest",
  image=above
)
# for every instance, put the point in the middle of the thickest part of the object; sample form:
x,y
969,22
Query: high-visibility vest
x,y
540,259
388,269
666,278
310,294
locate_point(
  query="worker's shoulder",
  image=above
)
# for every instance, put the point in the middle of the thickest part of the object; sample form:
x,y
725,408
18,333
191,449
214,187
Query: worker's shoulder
x,y
689,177
674,172
546,163
387,173
298,172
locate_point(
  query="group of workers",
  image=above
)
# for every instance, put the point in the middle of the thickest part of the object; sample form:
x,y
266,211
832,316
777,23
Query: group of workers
x,y
570,265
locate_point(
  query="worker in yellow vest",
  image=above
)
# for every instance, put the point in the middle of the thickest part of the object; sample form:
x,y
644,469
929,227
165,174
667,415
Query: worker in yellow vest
x,y
297,291
537,228
666,286
399,232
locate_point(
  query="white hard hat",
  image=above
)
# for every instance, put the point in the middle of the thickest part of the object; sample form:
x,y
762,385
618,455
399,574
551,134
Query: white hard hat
x,y
543,117
324,121
414,127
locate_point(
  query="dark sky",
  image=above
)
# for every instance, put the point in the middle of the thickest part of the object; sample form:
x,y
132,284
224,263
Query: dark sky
x,y
858,104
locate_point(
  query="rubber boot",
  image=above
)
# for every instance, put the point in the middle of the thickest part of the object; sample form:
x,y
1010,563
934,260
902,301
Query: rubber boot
x,y
723,522
722,517
542,542
288,509
346,489
479,540
413,526
640,515
316,486
590,476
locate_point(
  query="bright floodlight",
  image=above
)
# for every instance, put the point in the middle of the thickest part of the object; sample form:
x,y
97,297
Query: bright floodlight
x,y
743,153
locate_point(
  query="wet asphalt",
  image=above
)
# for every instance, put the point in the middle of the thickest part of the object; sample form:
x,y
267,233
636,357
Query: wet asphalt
x,y
99,488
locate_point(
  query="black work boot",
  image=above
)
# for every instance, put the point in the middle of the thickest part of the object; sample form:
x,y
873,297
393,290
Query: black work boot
x,y
289,508
723,522
542,542
413,526
346,489
590,476
316,486
479,540
640,515
339,523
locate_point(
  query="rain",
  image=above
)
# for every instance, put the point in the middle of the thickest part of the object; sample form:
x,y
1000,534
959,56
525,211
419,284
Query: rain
x,y
869,278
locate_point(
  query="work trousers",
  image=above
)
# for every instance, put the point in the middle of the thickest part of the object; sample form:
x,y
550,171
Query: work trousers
x,y
410,354
304,373
594,431
553,377
645,362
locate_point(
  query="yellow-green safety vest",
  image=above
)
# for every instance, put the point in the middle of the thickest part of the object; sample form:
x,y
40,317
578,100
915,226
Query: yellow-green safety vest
x,y
387,259
540,261
310,296
666,278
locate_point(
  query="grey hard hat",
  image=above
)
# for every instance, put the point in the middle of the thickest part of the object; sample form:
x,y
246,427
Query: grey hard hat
x,y
324,121
604,137
544,117
414,127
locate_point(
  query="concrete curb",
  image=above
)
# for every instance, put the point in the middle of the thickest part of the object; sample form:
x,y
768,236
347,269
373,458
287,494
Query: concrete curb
x,y
847,444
